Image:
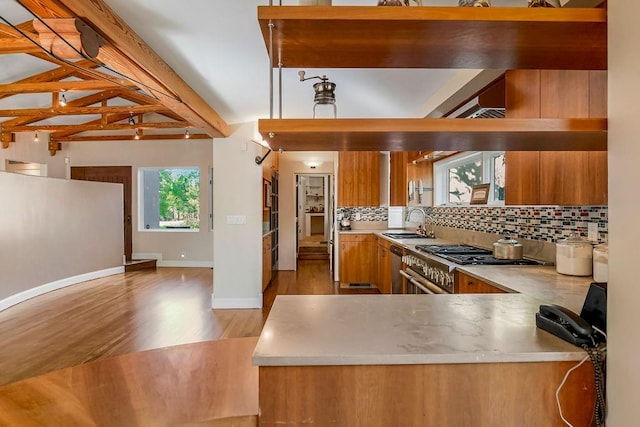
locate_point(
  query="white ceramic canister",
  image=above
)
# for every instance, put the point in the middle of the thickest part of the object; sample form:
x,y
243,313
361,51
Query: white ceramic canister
x,y
601,263
574,256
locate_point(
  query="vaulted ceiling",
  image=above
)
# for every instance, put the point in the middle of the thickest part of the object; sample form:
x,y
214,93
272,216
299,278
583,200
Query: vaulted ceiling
x,y
103,81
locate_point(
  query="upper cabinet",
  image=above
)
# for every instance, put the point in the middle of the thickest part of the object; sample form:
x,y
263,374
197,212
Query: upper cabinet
x,y
556,178
435,37
358,178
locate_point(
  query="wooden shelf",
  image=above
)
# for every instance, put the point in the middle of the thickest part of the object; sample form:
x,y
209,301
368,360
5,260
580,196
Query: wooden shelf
x,y
435,134
436,37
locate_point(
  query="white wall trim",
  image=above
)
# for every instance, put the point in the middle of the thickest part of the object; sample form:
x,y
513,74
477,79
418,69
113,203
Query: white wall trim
x,y
147,255
222,303
208,264
58,284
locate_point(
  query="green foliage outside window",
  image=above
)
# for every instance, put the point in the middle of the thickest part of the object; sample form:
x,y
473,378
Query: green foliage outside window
x,y
180,198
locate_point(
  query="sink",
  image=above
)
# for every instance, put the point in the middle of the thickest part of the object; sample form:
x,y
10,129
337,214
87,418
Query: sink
x,y
405,235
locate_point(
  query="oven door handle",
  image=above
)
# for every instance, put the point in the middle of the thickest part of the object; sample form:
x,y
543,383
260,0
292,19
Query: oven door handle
x,y
423,284
416,283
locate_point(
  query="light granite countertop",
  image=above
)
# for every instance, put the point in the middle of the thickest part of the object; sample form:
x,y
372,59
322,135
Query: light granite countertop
x,y
424,329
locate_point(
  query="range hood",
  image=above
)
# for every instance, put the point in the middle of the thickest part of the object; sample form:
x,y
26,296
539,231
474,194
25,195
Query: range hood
x,y
489,104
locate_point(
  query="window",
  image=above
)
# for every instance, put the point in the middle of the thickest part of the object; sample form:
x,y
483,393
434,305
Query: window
x,y
455,176
169,199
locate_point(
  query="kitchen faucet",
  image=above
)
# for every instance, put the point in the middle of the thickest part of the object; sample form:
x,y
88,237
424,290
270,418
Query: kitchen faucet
x,y
426,228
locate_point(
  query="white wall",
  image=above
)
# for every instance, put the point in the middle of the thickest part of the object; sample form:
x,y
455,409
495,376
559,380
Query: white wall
x,y
52,230
237,192
623,353
26,150
162,153
287,208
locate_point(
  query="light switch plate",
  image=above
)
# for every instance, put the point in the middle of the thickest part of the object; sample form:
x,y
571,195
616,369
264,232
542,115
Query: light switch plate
x,y
592,231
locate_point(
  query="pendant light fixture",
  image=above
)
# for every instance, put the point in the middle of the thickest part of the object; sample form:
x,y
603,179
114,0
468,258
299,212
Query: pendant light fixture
x,y
186,134
62,101
325,96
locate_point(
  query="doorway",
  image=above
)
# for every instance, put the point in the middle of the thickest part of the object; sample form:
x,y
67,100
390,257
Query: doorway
x,y
314,207
115,174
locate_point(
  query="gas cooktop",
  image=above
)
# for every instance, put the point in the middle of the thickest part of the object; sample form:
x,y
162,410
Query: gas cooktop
x,y
471,255
452,249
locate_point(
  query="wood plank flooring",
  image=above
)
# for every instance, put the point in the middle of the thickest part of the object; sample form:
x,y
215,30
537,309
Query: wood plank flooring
x,y
207,384
133,312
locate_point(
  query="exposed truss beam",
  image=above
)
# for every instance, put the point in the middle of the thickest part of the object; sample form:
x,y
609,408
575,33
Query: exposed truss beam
x,y
80,102
100,126
52,75
126,52
59,110
130,137
13,45
85,85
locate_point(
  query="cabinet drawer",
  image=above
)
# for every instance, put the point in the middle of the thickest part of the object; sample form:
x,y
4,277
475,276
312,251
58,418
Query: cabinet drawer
x,y
350,237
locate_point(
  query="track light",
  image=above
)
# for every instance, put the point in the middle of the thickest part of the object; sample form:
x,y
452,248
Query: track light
x,y
63,101
131,120
186,134
35,137
137,135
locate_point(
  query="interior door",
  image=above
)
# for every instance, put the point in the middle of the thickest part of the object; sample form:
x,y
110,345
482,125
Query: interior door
x,y
115,174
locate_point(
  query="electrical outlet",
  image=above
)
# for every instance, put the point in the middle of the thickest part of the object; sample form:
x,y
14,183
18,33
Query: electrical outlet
x,y
357,216
592,231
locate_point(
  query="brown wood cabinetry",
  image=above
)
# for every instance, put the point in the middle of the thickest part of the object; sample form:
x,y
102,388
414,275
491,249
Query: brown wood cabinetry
x,y
398,161
469,394
359,178
266,261
384,266
358,262
558,177
471,285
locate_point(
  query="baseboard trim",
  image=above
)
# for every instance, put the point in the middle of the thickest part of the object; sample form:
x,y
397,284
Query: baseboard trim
x,y
208,264
237,303
58,284
171,263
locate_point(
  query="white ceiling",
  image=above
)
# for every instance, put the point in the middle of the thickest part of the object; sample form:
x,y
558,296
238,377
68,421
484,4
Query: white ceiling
x,y
217,48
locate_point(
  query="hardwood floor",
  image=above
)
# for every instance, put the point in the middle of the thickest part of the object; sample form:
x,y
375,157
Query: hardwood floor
x,y
134,312
77,356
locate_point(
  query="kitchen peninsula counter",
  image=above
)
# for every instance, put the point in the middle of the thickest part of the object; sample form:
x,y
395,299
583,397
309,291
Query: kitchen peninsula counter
x,y
452,359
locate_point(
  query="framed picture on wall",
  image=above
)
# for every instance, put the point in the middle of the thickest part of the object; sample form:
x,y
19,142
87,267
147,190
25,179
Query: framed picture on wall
x,y
480,194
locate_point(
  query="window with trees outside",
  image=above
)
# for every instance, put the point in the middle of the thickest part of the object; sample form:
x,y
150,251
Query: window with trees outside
x,y
169,199
455,176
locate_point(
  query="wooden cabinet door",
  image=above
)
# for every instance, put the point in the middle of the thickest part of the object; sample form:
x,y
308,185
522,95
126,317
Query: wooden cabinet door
x,y
384,266
359,178
471,285
358,258
556,177
522,172
398,161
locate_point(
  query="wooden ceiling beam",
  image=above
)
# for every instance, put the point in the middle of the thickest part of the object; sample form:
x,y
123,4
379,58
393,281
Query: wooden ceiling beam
x,y
130,137
113,118
42,87
127,53
100,126
14,45
67,111
80,102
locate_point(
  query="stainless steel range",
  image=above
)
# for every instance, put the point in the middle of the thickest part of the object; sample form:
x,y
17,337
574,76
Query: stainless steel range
x,y
430,267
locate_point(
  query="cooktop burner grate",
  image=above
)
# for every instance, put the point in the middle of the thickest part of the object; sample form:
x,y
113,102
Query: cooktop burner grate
x,y
452,249
486,259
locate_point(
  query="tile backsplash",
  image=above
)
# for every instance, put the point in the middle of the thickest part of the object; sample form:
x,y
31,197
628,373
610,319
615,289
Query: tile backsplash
x,y
545,223
377,213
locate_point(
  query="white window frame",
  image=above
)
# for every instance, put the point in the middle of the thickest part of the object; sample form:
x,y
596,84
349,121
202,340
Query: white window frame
x,y
441,177
141,227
